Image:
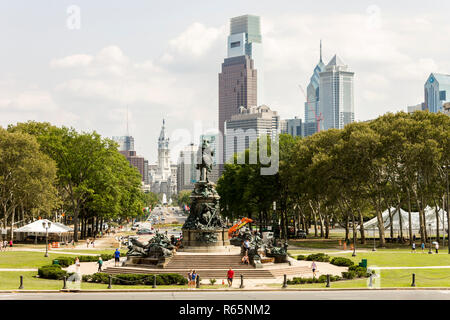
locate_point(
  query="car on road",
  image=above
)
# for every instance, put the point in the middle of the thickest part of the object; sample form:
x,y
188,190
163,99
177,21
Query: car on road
x,y
301,234
145,231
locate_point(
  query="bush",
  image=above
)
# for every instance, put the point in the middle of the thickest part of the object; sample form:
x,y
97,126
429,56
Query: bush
x,y
53,271
321,279
137,279
88,258
65,261
349,275
319,257
343,262
212,281
301,257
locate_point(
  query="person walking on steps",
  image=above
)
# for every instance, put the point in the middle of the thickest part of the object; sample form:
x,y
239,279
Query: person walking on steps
x,y
100,264
116,257
230,275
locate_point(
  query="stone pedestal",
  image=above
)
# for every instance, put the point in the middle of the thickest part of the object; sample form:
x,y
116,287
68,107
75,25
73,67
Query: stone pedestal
x,y
145,261
191,242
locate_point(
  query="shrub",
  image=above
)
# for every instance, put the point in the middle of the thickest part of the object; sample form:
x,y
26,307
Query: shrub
x,y
343,262
212,281
88,258
136,279
53,271
349,275
319,257
65,261
301,257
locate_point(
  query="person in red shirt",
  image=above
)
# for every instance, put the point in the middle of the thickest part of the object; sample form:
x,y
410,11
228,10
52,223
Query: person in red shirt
x,y
230,275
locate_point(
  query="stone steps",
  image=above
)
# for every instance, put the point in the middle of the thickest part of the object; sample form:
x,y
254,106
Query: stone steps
x,y
206,262
205,274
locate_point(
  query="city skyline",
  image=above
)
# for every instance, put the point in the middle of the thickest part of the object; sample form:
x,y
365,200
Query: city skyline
x,y
86,78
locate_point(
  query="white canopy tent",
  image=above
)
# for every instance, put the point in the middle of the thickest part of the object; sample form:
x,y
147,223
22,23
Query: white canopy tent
x,y
401,217
36,228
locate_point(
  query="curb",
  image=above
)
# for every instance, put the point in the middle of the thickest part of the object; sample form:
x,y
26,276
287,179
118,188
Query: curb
x,y
223,290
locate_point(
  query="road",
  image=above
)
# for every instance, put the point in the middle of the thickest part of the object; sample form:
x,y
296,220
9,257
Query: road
x,y
240,295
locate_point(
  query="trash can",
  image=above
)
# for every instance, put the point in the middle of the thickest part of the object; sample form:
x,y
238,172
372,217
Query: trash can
x,y
363,263
55,261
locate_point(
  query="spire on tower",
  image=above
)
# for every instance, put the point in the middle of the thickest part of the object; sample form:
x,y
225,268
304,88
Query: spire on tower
x,y
128,133
320,50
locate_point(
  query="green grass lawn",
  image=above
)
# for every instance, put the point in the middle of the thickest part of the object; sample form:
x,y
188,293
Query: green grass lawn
x,y
26,259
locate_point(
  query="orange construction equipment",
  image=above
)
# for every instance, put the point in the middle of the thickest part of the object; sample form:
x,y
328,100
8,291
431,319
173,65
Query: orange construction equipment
x,y
233,231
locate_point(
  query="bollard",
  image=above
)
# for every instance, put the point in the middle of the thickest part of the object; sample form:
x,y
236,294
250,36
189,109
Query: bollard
x,y
242,282
21,282
413,284
109,282
154,281
328,281
284,282
64,282
198,282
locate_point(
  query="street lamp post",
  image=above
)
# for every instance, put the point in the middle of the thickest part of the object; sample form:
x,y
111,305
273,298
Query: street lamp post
x,y
429,234
374,239
448,211
46,225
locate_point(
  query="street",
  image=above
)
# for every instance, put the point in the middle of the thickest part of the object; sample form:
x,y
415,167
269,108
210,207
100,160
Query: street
x,y
240,295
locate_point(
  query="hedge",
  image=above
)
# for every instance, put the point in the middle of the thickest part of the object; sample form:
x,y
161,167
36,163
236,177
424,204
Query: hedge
x,y
301,257
137,279
343,262
319,257
321,279
53,271
67,261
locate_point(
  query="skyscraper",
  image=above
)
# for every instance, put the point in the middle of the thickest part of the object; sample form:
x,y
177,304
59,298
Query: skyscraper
x,y
312,99
437,92
240,84
336,101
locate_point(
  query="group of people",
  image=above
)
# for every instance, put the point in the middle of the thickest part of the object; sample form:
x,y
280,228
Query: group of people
x,y
192,278
4,244
90,242
422,246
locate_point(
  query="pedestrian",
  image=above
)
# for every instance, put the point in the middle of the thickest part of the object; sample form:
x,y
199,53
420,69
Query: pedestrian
x,y
413,247
194,278
436,246
414,237
314,268
116,257
1,245
100,264
93,243
10,244
423,247
189,278
230,275
77,265
87,243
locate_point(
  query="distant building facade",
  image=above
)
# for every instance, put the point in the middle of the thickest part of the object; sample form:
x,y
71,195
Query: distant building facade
x,y
336,98
126,143
187,173
247,126
293,127
437,92
136,161
417,107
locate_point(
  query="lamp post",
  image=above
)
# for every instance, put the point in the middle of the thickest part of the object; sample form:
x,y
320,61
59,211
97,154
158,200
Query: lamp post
x,y
429,234
448,210
374,239
46,225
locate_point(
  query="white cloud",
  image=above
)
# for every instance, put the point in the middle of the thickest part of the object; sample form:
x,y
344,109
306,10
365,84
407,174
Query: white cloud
x,y
73,61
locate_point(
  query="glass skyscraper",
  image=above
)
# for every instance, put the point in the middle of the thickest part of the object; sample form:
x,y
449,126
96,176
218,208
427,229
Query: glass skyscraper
x,y
336,100
437,92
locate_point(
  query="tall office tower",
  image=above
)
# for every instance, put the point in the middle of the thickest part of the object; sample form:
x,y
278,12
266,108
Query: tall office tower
x,y
241,79
126,143
137,162
247,126
336,101
437,92
312,99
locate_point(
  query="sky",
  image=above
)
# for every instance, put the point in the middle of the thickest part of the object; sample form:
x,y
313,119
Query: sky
x,y
83,63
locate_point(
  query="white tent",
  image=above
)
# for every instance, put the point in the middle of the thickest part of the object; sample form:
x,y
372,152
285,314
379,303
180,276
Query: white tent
x,y
37,227
401,217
